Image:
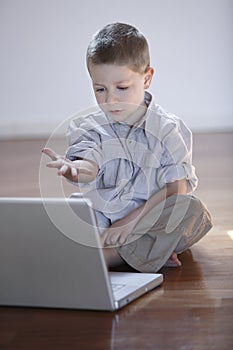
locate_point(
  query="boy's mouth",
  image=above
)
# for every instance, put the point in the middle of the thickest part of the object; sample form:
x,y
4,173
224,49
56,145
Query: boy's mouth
x,y
116,111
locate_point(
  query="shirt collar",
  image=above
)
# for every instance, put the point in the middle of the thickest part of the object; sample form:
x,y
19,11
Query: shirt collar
x,y
149,100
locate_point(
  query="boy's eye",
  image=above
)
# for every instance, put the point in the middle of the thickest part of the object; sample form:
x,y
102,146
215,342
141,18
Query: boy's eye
x,y
100,90
123,87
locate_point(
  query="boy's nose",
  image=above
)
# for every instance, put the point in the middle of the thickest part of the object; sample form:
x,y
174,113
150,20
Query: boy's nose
x,y
111,98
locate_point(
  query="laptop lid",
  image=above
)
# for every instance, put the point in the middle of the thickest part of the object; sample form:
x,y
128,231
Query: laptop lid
x,y
51,257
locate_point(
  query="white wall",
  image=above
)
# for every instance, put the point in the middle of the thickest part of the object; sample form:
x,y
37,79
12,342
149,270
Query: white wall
x,y
43,78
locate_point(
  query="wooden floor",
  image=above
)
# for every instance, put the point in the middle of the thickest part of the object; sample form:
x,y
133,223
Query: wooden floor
x,y
192,310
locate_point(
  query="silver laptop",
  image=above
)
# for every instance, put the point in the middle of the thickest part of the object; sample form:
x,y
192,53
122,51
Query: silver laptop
x,y
50,256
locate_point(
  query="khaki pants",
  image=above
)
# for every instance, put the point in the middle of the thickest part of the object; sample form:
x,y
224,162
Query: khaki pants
x,y
173,225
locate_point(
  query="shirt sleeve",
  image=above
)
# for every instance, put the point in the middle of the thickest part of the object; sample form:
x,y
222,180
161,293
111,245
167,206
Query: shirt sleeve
x,y
176,161
84,141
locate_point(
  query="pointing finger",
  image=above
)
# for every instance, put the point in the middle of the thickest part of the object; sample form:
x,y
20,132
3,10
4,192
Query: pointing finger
x,y
49,152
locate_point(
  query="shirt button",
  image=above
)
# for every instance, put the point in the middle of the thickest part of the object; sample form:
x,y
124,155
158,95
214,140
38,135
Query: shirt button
x,y
129,141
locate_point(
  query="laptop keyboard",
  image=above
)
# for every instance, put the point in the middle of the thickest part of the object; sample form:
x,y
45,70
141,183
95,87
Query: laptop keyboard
x,y
117,286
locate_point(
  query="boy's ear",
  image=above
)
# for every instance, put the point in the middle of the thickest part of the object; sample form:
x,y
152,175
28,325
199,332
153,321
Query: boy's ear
x,y
148,77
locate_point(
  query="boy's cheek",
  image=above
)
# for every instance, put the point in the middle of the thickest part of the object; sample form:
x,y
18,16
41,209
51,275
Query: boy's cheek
x,y
99,100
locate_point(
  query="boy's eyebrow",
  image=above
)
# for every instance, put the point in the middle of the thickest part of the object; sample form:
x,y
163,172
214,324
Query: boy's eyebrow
x,y
98,84
117,82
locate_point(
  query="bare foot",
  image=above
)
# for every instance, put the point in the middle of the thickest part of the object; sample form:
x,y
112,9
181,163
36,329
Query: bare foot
x,y
173,261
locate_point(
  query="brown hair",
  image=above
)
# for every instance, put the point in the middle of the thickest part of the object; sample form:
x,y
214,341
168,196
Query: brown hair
x,y
122,44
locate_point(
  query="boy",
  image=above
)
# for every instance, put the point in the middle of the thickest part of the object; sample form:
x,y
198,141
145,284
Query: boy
x,y
134,158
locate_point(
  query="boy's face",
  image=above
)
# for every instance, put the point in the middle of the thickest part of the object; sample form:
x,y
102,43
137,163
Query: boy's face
x,y
119,91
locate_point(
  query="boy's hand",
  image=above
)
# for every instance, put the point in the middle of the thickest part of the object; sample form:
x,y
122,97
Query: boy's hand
x,y
117,233
66,167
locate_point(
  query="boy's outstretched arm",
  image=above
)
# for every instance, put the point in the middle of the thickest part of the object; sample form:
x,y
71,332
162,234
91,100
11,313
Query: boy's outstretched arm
x,y
118,232
80,170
